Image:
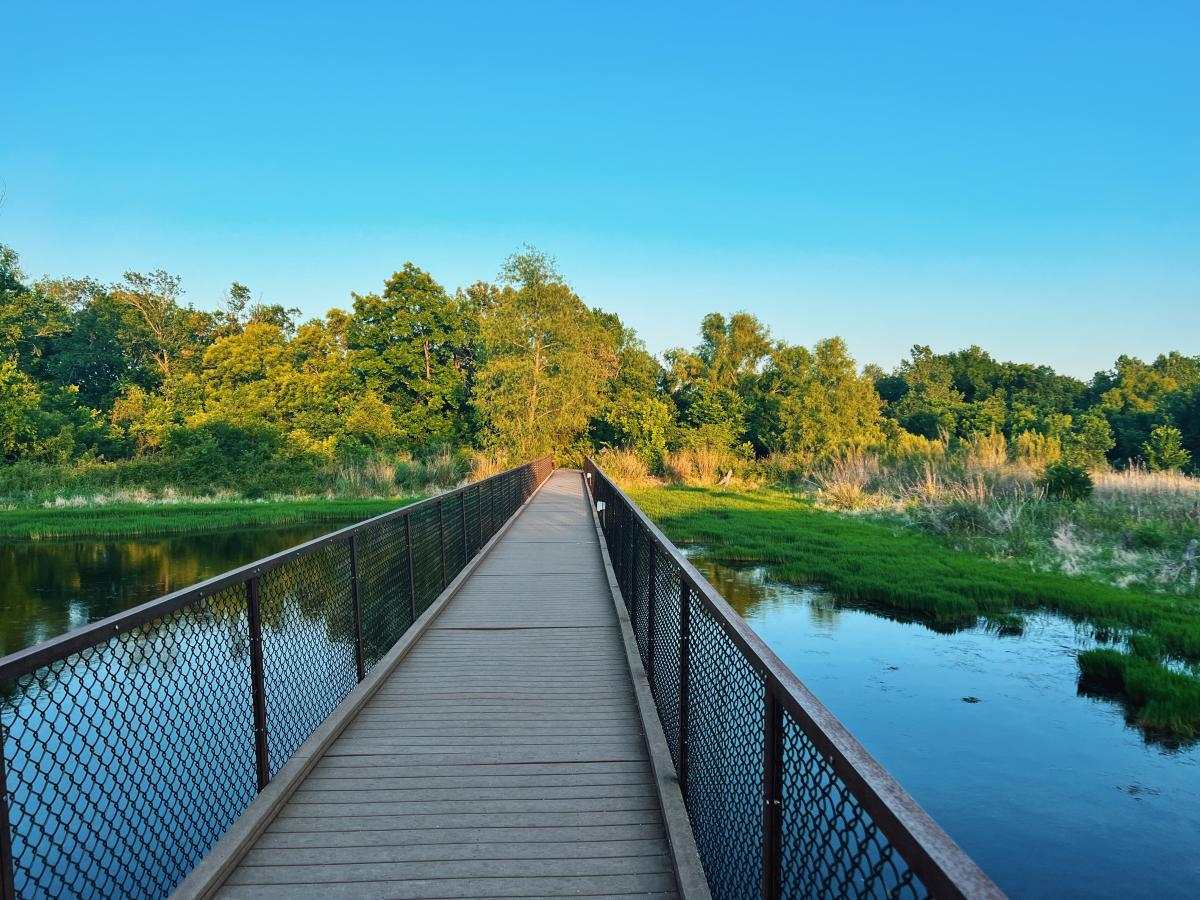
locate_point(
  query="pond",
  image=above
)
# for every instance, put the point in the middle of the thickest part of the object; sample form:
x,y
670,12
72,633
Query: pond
x,y
1050,792
50,587
159,719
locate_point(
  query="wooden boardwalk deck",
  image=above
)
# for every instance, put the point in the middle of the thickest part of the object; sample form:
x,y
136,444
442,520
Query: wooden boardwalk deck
x,y
504,756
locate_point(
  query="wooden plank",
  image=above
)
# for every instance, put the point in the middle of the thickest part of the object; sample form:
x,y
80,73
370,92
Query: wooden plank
x,y
454,889
463,837
415,809
445,852
522,867
466,820
336,792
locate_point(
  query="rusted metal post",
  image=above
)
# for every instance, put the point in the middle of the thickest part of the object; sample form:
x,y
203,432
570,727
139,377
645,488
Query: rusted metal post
x,y
412,578
8,890
632,579
650,604
258,683
442,539
772,820
685,653
462,510
492,525
360,657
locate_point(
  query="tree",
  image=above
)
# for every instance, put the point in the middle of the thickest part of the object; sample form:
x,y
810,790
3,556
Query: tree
x,y
816,404
548,361
1088,441
930,405
170,331
29,317
19,402
714,385
412,346
1164,450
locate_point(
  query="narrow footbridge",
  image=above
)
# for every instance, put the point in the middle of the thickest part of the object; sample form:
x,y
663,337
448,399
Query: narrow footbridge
x,y
519,688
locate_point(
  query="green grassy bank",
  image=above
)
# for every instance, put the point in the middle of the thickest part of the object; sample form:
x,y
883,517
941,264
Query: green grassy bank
x,y
133,520
915,573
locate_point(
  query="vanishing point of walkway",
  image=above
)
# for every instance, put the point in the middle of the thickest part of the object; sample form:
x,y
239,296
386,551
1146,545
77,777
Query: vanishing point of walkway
x,y
502,758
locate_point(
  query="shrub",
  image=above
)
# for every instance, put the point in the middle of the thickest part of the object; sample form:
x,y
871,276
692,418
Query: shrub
x,y
1164,451
1066,481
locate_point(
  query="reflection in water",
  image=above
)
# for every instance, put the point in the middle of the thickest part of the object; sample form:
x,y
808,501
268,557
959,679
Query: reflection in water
x,y
1049,791
50,587
145,743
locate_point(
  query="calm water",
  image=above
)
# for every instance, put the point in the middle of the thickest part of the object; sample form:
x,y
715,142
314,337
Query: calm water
x,y
1050,792
50,587
159,720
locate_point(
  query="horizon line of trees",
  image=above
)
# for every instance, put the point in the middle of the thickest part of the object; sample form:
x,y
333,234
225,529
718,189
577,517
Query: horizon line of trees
x,y
93,372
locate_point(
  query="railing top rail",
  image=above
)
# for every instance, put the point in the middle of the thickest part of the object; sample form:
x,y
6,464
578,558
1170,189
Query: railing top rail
x,y
940,863
30,659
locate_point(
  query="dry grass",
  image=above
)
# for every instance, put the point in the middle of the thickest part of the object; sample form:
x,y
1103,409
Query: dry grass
x,y
623,466
485,465
1136,482
705,466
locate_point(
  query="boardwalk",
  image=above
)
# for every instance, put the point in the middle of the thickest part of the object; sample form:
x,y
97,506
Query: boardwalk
x,y
503,757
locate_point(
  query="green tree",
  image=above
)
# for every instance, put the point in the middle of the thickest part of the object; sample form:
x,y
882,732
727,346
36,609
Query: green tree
x,y
929,404
19,419
412,346
1087,441
714,385
549,361
1164,450
816,404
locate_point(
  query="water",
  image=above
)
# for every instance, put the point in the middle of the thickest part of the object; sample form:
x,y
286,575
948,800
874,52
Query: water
x,y
49,587
118,740
1050,792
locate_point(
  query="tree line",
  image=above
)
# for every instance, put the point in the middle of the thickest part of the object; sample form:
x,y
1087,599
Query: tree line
x,y
102,374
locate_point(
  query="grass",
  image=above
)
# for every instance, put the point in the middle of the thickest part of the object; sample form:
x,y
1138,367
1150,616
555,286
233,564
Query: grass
x,y
865,560
130,520
1159,700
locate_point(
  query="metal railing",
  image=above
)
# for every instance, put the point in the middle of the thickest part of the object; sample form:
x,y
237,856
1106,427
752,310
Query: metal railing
x,y
130,745
783,801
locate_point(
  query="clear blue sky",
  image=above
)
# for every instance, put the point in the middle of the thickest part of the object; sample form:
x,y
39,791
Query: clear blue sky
x,y
1024,176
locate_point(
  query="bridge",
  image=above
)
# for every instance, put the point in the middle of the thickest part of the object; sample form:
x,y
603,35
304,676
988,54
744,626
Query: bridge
x,y
516,689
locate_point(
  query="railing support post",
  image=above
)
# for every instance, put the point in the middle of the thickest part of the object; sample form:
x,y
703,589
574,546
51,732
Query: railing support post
x,y
360,657
8,889
685,653
412,578
462,509
631,580
442,539
772,821
479,517
258,683
651,557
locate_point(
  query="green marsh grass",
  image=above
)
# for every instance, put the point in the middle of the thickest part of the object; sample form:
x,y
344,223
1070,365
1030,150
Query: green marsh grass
x,y
134,520
867,560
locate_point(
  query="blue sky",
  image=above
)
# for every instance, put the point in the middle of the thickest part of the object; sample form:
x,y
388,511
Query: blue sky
x,y
1021,176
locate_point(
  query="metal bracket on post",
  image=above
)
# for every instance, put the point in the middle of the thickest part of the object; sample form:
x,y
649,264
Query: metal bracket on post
x,y
258,685
360,661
